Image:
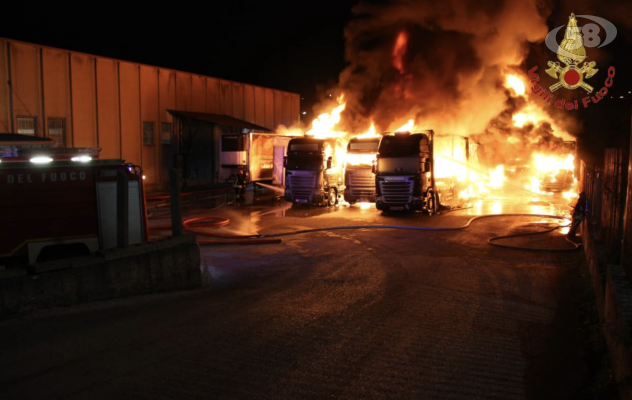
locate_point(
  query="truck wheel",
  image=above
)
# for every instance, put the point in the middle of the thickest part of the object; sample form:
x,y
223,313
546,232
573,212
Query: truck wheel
x,y
332,198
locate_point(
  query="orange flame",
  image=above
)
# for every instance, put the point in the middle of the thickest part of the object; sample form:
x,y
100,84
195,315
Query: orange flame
x,y
406,127
515,84
399,51
323,126
371,133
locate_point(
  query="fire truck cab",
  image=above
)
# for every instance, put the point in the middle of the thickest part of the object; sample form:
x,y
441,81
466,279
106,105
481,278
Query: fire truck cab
x,y
59,203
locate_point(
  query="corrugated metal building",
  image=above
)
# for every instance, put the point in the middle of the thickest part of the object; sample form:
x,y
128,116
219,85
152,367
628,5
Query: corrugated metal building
x,y
147,115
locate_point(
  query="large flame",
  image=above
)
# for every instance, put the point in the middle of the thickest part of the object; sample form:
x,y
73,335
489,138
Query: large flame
x,y
324,125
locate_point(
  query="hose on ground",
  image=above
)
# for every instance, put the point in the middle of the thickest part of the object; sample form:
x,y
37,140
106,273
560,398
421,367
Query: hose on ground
x,y
194,225
490,241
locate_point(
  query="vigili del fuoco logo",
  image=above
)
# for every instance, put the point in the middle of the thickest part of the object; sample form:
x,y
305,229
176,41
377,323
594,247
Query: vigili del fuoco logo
x,y
573,69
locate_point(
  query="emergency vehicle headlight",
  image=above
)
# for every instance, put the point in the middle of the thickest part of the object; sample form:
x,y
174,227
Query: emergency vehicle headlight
x,y
41,160
81,159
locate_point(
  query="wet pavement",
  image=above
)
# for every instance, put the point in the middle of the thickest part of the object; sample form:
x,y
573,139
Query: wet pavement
x,y
404,309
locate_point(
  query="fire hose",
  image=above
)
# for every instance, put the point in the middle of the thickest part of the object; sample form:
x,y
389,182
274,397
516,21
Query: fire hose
x,y
194,225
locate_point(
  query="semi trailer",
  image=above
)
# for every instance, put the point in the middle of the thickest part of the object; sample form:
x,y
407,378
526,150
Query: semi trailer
x,y
260,155
420,171
313,171
359,176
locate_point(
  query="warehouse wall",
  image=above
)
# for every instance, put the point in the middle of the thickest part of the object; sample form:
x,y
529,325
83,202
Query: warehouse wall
x,y
90,101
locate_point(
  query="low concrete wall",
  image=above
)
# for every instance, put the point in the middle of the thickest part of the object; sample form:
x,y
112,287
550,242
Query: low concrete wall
x,y
613,293
159,266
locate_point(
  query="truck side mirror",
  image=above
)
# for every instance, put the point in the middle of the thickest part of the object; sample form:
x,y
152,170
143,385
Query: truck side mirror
x,y
284,161
329,161
426,166
374,166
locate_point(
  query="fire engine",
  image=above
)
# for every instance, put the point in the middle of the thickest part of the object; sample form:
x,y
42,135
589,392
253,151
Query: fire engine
x,y
62,202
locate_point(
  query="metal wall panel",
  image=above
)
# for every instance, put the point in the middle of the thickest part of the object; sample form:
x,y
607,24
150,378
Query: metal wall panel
x,y
238,100
131,127
198,88
287,109
249,103
150,112
108,108
183,91
626,241
84,113
5,91
295,116
56,83
212,96
615,182
260,106
278,108
225,98
269,108
166,93
25,81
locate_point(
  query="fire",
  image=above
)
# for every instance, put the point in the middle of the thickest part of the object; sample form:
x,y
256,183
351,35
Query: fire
x,y
323,126
399,51
406,127
360,159
553,164
371,133
497,177
515,84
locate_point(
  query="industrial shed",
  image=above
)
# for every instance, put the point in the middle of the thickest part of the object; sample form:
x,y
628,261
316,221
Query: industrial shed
x,y
135,112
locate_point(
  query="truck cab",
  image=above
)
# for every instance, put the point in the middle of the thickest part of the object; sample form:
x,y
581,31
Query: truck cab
x,y
403,172
359,176
313,173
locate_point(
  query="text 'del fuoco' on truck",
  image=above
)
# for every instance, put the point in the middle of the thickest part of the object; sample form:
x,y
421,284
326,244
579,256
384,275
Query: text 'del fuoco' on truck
x,y
60,203
418,171
313,174
359,176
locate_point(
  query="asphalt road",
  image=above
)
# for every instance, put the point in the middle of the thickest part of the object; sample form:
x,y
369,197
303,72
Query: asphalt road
x,y
332,314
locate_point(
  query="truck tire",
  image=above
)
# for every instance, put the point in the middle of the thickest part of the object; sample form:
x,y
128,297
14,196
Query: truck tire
x,y
332,198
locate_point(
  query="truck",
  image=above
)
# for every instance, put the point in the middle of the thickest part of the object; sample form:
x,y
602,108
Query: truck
x,y
359,176
559,176
313,171
260,155
62,202
420,171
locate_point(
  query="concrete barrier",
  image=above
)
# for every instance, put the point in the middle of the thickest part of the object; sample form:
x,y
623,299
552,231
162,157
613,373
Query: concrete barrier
x,y
159,266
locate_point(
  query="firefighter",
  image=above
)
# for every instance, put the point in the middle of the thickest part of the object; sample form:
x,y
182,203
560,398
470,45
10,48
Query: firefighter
x,y
240,187
579,213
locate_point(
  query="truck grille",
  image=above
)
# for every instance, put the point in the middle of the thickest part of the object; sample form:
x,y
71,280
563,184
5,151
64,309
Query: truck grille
x,y
361,183
396,192
301,185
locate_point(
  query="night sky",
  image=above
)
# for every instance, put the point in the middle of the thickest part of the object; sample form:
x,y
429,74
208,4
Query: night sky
x,y
279,44
287,45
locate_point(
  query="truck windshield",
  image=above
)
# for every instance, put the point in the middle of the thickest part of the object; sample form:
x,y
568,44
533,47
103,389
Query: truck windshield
x,y
402,165
398,148
301,161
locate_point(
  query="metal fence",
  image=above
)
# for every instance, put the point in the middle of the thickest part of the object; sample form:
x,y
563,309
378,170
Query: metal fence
x,y
607,190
